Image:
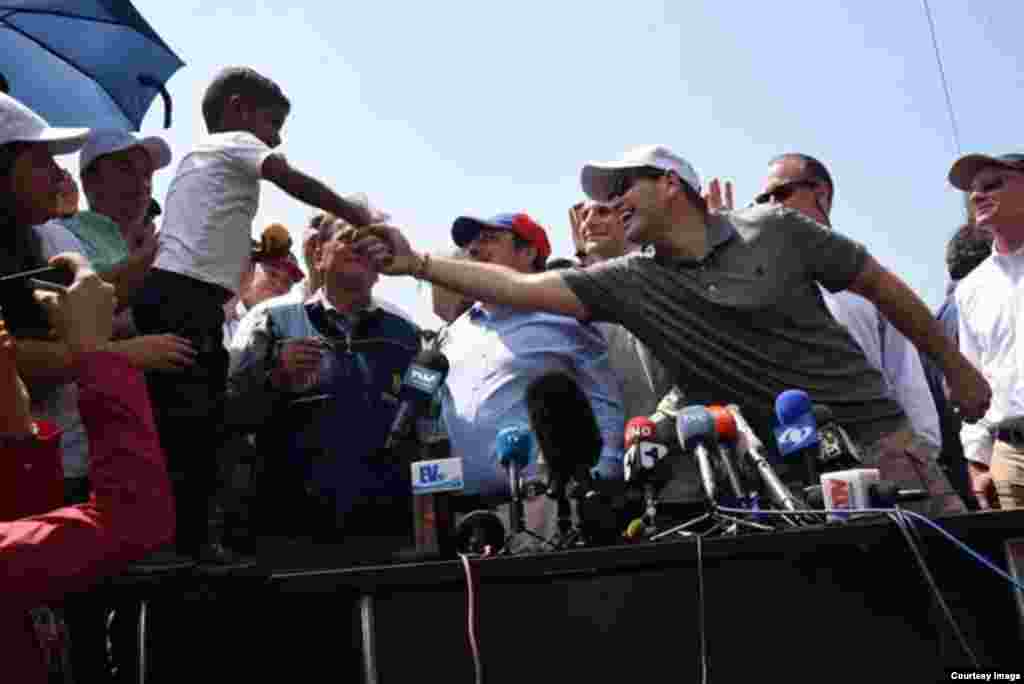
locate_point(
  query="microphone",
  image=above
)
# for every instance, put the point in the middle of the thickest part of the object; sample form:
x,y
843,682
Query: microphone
x,y
882,494
642,453
423,378
797,433
696,431
725,430
838,451
779,492
563,423
512,448
645,452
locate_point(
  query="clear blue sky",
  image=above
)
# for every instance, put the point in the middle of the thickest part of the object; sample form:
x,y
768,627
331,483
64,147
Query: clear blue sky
x,y
440,109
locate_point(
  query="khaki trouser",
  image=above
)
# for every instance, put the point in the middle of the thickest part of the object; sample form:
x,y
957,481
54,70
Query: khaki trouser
x,y
904,458
1007,470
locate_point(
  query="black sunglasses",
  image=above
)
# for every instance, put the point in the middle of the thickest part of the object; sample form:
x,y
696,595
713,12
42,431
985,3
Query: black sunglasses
x,y
781,193
997,183
626,179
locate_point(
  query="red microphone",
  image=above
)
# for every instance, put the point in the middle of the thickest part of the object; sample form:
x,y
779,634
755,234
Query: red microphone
x,y
725,427
642,452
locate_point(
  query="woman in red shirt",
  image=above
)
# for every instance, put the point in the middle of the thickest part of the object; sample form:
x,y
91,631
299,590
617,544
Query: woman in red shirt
x,y
131,510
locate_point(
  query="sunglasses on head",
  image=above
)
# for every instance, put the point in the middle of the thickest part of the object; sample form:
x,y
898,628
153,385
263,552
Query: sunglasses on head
x,y
781,193
626,179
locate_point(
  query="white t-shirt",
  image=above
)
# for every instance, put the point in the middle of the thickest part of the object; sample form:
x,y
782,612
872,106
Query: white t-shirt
x,y
207,229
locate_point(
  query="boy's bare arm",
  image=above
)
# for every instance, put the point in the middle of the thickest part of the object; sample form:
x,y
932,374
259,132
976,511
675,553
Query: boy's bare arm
x,y
278,171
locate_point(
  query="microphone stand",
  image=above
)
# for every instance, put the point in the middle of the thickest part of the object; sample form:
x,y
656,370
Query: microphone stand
x,y
720,522
567,531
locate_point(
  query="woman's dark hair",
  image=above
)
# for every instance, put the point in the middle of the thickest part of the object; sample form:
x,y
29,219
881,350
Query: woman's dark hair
x,y
20,250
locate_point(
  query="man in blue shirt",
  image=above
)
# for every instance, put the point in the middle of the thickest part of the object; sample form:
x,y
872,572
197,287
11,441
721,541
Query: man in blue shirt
x,y
495,352
320,379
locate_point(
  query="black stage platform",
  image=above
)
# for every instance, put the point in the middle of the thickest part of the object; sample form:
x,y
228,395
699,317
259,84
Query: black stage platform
x,y
835,603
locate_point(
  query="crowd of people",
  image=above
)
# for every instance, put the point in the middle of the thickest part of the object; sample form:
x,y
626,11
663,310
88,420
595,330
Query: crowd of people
x,y
188,382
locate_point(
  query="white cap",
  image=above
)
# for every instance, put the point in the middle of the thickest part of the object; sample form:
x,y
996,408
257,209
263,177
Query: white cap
x,y
109,140
598,178
18,123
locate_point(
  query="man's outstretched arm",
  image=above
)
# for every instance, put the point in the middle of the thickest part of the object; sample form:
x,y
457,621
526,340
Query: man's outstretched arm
x,y
392,255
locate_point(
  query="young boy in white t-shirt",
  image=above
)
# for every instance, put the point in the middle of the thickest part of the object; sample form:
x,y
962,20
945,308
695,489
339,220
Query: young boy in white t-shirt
x,y
205,244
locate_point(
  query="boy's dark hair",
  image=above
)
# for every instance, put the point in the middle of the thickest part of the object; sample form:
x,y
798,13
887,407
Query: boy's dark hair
x,y
969,246
252,86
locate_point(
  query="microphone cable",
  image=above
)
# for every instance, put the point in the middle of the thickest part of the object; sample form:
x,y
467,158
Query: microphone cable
x,y
903,524
915,516
701,624
473,617
904,519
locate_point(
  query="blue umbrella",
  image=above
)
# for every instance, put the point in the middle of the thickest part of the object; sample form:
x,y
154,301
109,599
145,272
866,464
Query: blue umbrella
x,y
92,63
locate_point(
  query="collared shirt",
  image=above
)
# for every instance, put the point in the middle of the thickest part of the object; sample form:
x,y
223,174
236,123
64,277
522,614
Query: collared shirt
x,y
337,440
101,238
747,322
494,354
890,352
989,303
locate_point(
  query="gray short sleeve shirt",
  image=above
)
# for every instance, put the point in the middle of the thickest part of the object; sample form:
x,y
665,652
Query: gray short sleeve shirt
x,y
748,322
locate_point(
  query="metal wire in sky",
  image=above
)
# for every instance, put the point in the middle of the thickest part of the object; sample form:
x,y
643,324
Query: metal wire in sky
x,y
942,76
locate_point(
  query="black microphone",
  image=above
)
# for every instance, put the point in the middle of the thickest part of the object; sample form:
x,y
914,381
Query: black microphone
x,y
883,494
779,492
568,436
423,378
837,450
563,422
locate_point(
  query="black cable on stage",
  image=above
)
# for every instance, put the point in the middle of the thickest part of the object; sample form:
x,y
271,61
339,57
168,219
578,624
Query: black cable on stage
x,y
700,612
904,526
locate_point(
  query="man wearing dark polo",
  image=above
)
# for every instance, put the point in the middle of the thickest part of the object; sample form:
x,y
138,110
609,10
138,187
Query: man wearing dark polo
x,y
729,302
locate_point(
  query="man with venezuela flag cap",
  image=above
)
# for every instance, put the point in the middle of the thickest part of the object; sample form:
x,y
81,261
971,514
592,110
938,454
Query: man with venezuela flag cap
x,y
495,352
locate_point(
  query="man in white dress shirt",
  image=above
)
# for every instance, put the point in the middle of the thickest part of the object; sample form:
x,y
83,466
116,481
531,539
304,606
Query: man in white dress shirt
x,y
989,305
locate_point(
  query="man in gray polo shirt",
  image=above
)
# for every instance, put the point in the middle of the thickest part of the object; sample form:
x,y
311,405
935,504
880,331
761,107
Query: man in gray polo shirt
x,y
729,304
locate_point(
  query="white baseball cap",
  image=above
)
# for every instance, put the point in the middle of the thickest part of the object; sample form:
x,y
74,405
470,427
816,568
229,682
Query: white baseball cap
x,y
109,140
598,178
18,123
